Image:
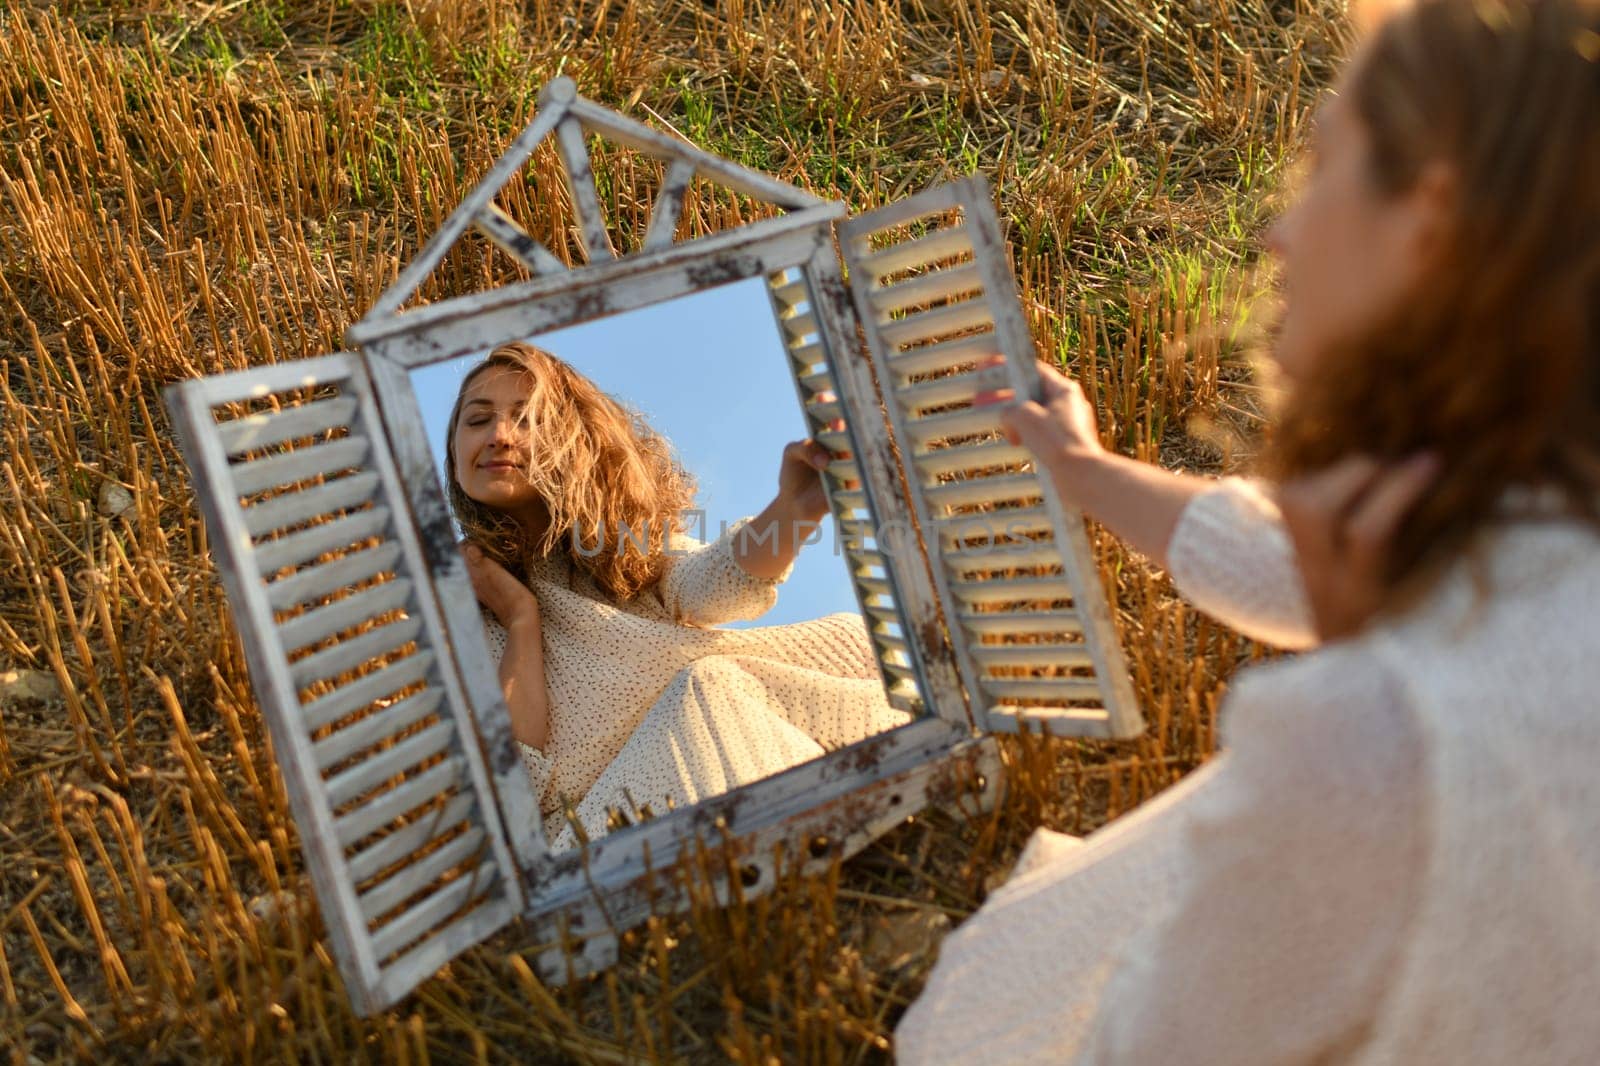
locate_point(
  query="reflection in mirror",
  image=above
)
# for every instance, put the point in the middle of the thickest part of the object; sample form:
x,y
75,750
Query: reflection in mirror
x,y
663,590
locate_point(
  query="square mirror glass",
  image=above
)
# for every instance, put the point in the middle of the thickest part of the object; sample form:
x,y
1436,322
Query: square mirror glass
x,y
745,652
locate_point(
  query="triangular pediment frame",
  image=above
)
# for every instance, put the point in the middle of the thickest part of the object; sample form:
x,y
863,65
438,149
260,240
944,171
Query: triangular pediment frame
x,y
568,118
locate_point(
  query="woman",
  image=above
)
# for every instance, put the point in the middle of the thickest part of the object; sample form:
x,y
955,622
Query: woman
x,y
1397,860
626,701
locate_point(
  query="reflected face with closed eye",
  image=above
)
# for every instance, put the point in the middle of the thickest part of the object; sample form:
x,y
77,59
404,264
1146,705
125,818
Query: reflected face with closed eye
x,y
540,458
490,442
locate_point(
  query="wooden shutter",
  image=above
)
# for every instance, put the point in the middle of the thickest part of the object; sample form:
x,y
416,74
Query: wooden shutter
x,y
1035,644
822,403
385,775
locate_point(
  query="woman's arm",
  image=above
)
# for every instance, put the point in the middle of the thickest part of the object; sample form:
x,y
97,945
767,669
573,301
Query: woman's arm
x,y
1139,502
736,576
1224,543
522,664
774,536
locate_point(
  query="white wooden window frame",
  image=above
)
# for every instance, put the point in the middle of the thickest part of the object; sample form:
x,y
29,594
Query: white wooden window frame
x,y
577,903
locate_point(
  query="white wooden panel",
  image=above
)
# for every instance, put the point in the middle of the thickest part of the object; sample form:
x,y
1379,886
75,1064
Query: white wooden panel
x,y
799,326
806,356
970,457
438,780
1012,590
369,688
510,238
917,252
399,845
970,422
374,770
426,916
1055,721
1041,688
1028,655
311,640
954,388
989,526
391,893
935,324
1001,623
298,548
1001,489
337,747
935,300
809,342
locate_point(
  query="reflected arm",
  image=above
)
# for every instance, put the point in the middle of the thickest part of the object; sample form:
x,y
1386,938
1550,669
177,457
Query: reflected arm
x,y
522,680
706,583
519,655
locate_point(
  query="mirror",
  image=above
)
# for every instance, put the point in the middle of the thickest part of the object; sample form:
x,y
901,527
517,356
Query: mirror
x,y
647,714
419,817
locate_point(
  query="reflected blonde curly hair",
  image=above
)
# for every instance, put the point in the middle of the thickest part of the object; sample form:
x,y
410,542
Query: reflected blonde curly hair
x,y
597,465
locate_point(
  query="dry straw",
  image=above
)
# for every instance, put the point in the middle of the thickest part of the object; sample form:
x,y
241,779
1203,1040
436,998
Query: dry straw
x,y
195,188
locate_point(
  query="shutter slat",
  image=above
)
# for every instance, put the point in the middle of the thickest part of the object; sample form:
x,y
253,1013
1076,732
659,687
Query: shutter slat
x,y
269,428
292,508
946,355
352,653
323,622
375,814
437,907
328,578
925,288
373,771
919,252
299,548
361,735
939,322
302,464
415,878
345,699
402,842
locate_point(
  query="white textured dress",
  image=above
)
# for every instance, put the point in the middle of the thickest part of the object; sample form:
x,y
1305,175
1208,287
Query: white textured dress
x,y
1396,860
652,707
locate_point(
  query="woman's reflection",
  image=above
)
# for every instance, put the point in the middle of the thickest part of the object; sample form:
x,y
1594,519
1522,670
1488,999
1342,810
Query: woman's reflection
x,y
624,697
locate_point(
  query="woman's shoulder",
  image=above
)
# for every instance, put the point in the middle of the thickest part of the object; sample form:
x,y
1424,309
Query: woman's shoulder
x,y
1339,706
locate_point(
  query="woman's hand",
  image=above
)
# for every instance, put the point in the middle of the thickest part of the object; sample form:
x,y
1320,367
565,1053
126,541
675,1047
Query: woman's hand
x,y
1061,432
800,490
1343,520
510,601
1139,502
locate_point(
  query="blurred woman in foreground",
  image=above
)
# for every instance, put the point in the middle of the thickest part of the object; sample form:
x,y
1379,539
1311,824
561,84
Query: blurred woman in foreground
x,y
1398,857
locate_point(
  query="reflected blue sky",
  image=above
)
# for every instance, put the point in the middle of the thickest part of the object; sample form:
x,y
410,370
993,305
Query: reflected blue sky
x,y
707,370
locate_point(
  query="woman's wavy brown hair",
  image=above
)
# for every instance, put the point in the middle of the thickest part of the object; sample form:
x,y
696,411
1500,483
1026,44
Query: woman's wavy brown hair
x,y
598,466
1493,362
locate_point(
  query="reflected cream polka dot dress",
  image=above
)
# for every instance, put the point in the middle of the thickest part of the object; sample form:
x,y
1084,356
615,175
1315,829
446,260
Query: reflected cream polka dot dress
x,y
653,707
